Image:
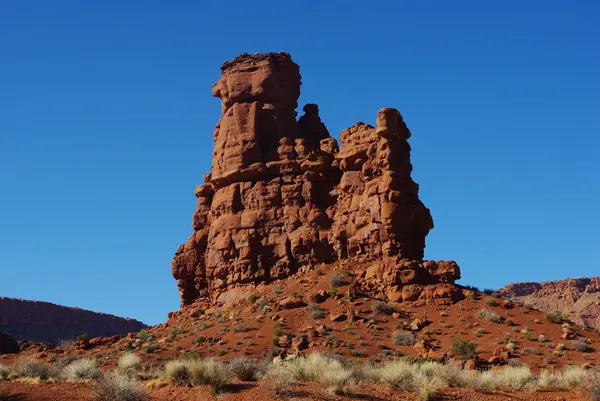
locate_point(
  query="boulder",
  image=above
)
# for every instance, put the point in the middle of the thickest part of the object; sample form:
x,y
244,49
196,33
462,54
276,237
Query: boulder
x,y
8,345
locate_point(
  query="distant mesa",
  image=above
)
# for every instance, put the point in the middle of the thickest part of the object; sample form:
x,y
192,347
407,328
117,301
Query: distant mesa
x,y
282,194
46,322
578,299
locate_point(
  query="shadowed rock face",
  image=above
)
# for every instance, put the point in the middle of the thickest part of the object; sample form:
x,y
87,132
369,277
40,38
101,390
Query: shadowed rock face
x,y
283,194
50,323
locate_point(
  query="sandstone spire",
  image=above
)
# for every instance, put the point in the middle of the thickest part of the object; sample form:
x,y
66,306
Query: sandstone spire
x,y
282,194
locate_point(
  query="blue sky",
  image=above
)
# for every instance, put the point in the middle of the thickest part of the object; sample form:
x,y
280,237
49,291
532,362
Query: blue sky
x,y
106,121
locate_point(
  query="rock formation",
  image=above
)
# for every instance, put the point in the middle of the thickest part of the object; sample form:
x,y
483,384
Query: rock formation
x,y
577,298
282,194
8,345
50,323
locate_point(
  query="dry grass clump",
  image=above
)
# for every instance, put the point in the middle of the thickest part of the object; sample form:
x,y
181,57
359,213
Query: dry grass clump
x,y
490,316
245,369
279,381
568,378
591,386
337,279
5,372
328,371
81,369
118,387
315,311
199,372
404,338
30,368
129,364
463,349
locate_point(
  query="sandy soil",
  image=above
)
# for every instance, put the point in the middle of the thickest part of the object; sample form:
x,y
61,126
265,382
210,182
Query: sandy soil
x,y
251,391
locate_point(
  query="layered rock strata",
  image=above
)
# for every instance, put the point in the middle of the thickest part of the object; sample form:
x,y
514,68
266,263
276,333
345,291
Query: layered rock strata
x,y
282,194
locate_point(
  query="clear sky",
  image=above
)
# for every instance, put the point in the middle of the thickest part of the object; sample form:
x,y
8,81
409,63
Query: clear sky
x,y
106,122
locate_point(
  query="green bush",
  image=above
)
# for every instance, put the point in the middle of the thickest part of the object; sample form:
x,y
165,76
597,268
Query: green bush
x,y
463,349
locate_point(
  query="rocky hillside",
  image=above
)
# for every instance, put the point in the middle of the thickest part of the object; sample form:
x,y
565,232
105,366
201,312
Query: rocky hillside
x,y
47,322
578,299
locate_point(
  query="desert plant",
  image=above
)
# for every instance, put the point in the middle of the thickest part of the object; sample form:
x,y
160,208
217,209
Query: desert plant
x,y
492,301
253,298
116,387
315,311
279,380
542,338
382,308
509,322
591,386
337,379
129,364
480,331
398,375
582,346
490,316
81,369
177,371
209,371
404,338
516,377
337,279
463,349
30,368
244,369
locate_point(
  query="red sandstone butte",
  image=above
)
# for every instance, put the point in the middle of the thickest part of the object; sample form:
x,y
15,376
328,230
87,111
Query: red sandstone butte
x,y
283,194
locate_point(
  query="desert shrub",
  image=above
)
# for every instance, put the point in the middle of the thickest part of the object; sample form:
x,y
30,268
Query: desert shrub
x,y
244,369
239,328
403,338
117,387
177,371
591,386
582,346
492,301
278,380
337,379
429,389
398,375
199,339
337,279
84,338
531,351
315,311
554,317
509,322
488,291
542,338
277,289
382,308
129,364
209,372
143,335
490,316
29,368
151,348
463,349
516,377
253,298
81,369
480,331
5,372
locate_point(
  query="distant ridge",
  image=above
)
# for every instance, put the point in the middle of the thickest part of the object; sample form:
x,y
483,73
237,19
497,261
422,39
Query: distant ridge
x,y
47,322
579,298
